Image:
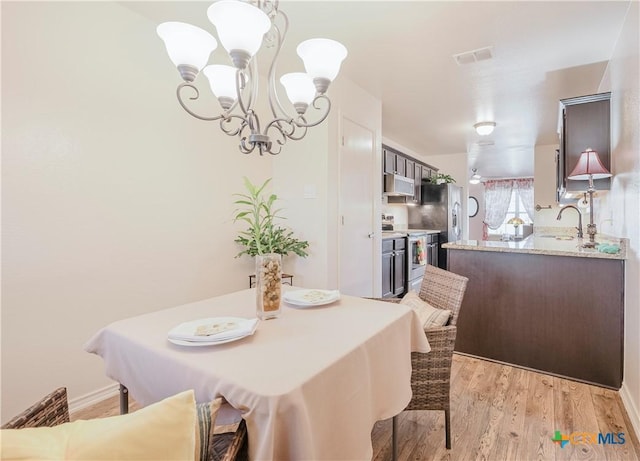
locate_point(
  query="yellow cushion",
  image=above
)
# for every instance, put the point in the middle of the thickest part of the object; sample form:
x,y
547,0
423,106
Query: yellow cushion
x,y
162,431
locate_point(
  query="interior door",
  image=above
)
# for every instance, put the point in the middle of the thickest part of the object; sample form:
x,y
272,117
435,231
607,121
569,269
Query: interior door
x,y
357,163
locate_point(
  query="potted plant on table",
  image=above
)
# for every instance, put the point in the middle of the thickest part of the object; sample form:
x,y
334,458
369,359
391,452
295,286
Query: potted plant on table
x,y
267,241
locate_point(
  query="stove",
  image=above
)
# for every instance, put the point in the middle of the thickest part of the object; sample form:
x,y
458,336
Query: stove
x,y
422,250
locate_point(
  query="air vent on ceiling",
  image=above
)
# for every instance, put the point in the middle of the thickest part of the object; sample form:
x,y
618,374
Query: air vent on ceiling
x,y
485,143
468,57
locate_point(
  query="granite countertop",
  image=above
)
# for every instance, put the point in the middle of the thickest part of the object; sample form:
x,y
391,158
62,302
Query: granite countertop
x,y
404,232
393,234
426,231
545,244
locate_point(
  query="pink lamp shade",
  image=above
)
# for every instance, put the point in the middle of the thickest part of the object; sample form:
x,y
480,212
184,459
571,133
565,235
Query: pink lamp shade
x,y
589,165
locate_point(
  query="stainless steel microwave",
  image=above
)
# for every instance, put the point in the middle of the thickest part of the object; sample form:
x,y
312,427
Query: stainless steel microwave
x,y
394,184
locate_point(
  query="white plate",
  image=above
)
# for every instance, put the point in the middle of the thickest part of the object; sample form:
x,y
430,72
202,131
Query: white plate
x,y
207,343
184,334
310,298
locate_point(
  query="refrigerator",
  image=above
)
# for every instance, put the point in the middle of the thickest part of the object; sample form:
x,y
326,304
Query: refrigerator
x,y
442,210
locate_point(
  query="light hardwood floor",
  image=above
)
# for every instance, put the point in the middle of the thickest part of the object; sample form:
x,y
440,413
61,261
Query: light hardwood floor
x,y
498,412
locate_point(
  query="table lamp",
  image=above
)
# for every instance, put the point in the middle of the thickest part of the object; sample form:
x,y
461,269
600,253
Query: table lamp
x,y
515,222
589,167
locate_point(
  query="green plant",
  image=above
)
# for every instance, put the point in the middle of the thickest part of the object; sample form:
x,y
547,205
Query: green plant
x,y
263,235
439,178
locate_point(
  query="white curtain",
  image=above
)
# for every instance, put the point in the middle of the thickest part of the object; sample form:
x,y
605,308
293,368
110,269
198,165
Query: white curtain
x,y
497,195
525,189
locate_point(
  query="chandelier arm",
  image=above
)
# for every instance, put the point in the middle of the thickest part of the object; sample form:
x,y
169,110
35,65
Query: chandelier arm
x,y
302,127
239,88
254,80
193,98
232,132
270,7
304,123
281,125
278,142
253,121
274,100
244,148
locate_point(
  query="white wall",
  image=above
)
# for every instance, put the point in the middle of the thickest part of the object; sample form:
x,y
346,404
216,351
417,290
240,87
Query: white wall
x,y
622,205
115,201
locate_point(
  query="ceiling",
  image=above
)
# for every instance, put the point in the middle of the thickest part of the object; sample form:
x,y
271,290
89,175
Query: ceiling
x,y
402,52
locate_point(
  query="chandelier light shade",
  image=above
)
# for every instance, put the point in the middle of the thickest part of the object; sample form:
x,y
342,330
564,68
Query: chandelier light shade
x,y
222,80
241,29
484,128
189,47
322,58
300,90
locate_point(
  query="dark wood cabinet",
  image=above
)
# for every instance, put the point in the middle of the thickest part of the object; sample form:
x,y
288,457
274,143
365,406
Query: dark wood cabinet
x,y
387,275
389,159
394,266
395,162
561,315
410,168
401,165
427,172
417,177
585,124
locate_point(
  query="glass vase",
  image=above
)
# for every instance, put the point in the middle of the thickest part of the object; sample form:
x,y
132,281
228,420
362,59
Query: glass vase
x,y
268,285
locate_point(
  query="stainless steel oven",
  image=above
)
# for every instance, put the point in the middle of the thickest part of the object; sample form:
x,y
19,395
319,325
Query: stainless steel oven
x,y
422,250
416,259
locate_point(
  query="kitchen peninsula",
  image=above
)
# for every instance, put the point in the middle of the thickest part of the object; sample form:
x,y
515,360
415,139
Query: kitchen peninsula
x,y
544,303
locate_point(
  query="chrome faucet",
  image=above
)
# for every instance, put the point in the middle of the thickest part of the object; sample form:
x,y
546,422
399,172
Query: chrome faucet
x,y
579,218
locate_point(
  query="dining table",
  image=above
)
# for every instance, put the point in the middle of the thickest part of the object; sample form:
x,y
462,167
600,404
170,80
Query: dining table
x,y
310,384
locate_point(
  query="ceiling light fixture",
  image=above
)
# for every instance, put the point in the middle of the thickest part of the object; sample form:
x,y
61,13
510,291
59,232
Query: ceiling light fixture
x,y
241,27
475,179
484,128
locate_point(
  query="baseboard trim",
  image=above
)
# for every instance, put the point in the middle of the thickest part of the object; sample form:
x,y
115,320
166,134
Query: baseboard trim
x,y
97,396
632,411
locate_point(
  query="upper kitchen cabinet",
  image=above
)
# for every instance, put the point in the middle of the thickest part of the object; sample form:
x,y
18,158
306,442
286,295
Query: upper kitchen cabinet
x,y
584,124
394,162
410,169
417,175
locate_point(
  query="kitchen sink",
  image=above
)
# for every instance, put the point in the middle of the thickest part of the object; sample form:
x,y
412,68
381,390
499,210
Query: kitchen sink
x,y
557,237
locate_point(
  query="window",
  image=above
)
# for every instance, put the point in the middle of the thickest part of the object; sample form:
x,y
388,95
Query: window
x,y
516,210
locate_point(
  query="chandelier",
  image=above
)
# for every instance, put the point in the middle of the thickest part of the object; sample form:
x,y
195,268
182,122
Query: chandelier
x,y
241,27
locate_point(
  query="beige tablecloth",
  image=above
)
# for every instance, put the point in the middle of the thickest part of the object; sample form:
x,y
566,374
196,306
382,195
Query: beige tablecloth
x,y
310,384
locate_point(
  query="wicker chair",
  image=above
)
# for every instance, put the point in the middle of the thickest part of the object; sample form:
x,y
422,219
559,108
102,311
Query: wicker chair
x,y
431,372
54,409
